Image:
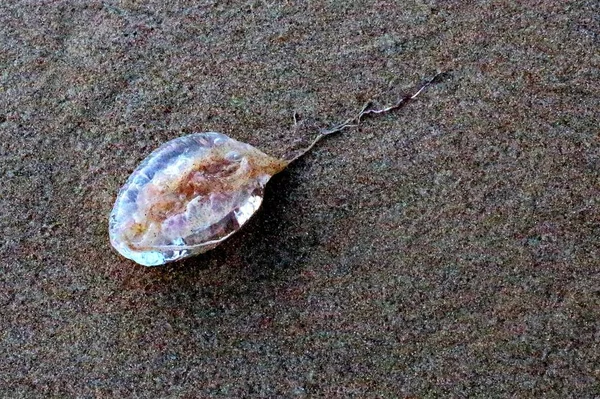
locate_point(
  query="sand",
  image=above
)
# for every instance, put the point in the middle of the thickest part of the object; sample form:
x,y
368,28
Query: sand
x,y
449,249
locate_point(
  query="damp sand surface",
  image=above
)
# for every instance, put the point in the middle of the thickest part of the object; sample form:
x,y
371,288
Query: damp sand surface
x,y
449,249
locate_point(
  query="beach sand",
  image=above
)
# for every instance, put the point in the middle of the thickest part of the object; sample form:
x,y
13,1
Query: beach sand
x,y
449,249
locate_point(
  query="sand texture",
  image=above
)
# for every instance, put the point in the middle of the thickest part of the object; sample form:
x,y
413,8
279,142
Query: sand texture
x,y
449,249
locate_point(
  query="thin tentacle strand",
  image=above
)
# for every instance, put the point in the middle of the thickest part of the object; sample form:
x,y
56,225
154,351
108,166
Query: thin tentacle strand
x,y
365,111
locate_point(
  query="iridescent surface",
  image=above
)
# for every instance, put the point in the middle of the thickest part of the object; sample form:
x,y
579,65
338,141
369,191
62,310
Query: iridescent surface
x,y
188,196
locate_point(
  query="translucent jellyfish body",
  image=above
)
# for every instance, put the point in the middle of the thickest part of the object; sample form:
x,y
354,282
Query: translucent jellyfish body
x,y
188,196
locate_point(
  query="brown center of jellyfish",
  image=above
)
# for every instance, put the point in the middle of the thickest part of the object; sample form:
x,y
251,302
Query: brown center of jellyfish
x,y
213,175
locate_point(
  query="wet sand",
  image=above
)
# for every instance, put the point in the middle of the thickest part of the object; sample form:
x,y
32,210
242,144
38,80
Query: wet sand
x,y
449,249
